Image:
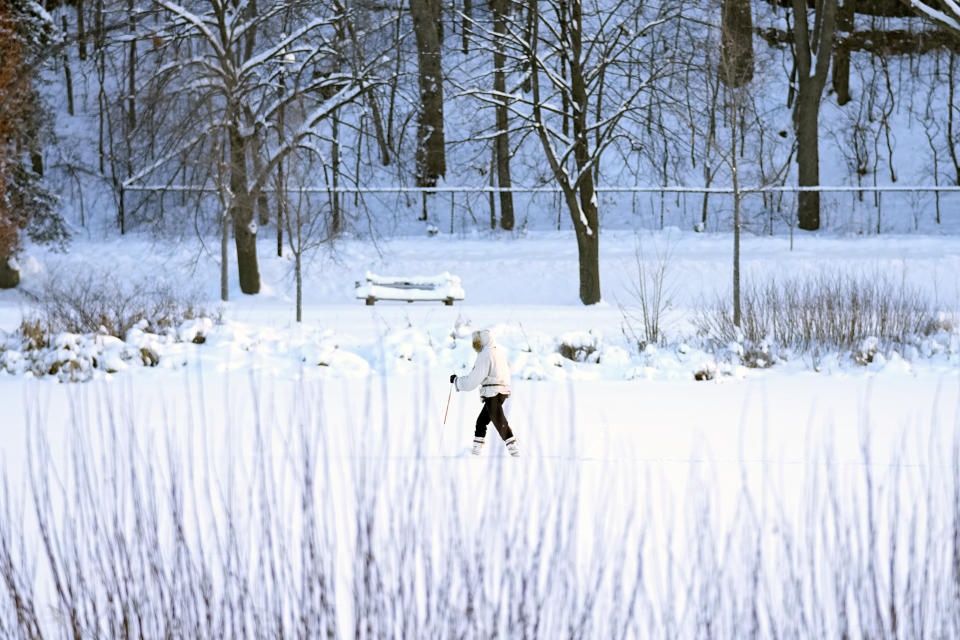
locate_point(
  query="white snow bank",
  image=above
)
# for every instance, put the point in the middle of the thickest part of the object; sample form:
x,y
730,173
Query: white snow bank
x,y
407,350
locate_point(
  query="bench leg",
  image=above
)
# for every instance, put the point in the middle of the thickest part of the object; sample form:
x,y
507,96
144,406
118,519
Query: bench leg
x,y
448,302
370,301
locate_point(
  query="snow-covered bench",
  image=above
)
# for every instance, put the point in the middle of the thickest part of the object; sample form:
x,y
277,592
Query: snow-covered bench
x,y
443,288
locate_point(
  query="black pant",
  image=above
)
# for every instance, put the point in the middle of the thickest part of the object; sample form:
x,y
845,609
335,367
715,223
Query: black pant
x,y
493,410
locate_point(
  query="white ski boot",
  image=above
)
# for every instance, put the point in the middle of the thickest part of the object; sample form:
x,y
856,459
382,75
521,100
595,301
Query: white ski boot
x,y
512,447
477,446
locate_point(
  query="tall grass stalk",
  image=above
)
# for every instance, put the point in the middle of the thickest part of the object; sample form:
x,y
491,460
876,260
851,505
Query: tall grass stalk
x,y
279,522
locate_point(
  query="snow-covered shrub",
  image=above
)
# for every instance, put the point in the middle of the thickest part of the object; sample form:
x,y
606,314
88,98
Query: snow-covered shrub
x,y
103,302
707,373
943,322
757,356
580,346
70,357
867,351
829,310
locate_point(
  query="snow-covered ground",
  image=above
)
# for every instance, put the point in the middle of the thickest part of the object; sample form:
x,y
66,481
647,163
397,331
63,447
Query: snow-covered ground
x,y
628,443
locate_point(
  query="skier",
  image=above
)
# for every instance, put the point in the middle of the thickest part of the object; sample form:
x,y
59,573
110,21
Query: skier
x,y
491,372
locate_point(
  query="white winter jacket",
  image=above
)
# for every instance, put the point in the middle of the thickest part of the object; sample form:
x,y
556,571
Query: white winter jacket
x,y
491,371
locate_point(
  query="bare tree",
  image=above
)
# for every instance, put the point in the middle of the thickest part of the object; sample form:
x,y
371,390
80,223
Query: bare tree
x,y
230,77
733,125
306,228
588,60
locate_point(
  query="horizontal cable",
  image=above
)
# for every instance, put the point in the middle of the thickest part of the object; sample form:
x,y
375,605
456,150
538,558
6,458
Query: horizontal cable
x,y
638,189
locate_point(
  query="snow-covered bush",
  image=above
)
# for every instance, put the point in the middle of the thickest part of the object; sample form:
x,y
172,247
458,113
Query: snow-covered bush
x,y
96,323
103,302
832,311
580,346
69,357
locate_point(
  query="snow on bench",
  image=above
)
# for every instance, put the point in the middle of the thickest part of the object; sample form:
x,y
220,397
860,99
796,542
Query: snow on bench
x,y
443,288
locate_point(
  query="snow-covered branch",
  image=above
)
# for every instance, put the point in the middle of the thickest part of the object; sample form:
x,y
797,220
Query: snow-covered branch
x,y
949,17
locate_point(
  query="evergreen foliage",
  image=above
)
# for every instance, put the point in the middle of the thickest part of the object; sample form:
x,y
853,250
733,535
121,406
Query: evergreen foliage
x,y
26,203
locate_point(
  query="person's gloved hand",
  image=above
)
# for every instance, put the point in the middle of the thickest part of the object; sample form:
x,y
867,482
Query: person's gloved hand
x,y
453,377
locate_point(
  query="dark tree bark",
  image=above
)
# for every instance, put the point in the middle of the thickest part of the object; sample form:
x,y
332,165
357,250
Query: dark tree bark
x,y
335,217
528,31
562,10
813,50
430,154
241,212
586,224
66,71
502,141
132,72
9,278
737,60
259,195
370,97
465,26
841,57
81,32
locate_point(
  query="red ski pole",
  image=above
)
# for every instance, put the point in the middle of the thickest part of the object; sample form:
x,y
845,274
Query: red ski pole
x,y
449,393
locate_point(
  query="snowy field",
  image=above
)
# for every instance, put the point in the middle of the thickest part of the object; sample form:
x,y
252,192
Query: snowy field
x,y
299,479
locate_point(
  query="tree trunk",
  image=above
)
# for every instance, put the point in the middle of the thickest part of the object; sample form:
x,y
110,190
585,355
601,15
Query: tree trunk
x,y
132,73
493,183
528,68
81,32
225,257
503,123
281,206
281,184
808,158
241,212
564,37
335,222
813,50
465,28
588,251
371,99
585,218
66,70
299,269
737,62
430,154
9,277
260,196
841,57
737,200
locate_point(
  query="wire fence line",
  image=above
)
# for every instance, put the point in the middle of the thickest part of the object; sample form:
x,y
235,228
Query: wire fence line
x,y
603,189
853,208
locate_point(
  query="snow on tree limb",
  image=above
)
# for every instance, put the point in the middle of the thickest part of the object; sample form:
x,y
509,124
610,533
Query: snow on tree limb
x,y
949,18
